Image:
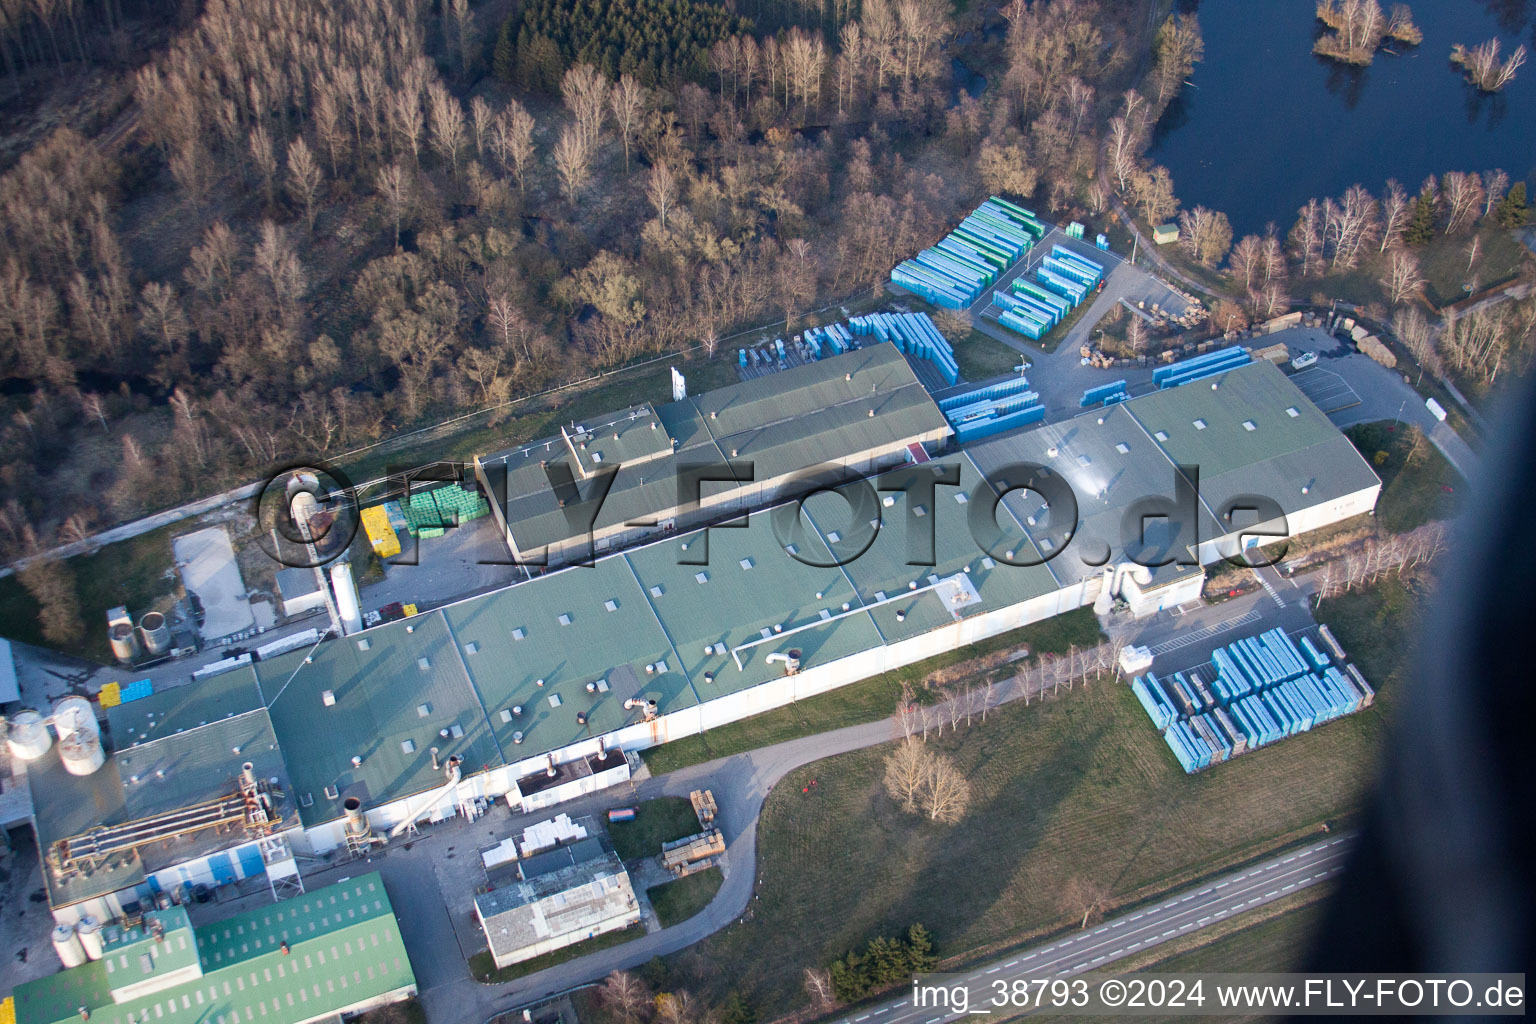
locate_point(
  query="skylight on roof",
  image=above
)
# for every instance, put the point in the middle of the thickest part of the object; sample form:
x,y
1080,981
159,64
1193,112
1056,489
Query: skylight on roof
x,y
611,605
746,563
565,619
960,498
1199,424
423,710
1250,425
1292,412
1083,460
834,536
518,634
701,577
1161,435
423,664
656,591
1122,448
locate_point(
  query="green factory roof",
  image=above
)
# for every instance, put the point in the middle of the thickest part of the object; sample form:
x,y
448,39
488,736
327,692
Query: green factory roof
x,y
386,696
587,625
344,948
783,423
884,572
180,708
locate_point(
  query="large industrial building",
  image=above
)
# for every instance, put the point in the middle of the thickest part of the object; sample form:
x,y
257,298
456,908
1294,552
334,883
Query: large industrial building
x,y
860,412
437,714
333,952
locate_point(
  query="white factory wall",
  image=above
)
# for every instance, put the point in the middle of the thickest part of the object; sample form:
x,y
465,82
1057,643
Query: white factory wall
x,y
778,692
1301,521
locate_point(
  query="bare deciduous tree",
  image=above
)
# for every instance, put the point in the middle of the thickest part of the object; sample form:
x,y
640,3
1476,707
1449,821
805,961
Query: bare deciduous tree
x,y
573,163
625,996
304,178
948,792
1086,896
512,141
628,100
1401,278
906,773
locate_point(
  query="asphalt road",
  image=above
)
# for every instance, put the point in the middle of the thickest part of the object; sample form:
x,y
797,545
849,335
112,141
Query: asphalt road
x,y
1134,932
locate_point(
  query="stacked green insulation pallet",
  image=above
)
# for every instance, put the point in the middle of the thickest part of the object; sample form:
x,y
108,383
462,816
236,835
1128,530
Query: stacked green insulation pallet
x,y
427,513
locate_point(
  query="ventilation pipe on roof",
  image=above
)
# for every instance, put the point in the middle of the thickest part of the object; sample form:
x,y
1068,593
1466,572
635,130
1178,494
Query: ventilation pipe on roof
x,y
435,765
791,660
550,771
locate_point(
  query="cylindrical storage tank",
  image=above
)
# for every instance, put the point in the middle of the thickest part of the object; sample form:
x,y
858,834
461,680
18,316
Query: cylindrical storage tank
x,y
89,931
124,641
157,634
347,607
74,714
67,944
302,507
81,753
29,738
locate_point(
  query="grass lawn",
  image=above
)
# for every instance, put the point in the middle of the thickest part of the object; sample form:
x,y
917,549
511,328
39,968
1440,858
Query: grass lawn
x,y
131,572
656,821
1412,492
1442,264
1078,785
1378,626
980,356
676,902
865,701
407,1011
483,969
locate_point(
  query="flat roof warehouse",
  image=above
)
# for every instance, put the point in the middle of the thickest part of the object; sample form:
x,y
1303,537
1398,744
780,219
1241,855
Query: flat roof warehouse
x,y
543,669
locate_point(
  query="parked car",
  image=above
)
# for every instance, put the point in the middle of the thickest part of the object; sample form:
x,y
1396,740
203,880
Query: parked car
x,y
1304,360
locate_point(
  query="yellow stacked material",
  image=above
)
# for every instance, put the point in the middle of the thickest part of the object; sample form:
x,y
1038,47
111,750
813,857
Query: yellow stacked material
x,y
386,543
111,696
410,610
8,1010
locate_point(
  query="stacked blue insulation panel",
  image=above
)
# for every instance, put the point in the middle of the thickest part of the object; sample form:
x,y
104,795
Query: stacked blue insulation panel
x,y
1264,689
1062,281
1109,394
982,412
956,270
1198,367
914,334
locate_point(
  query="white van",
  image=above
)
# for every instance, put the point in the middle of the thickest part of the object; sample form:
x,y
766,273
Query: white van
x,y
1304,360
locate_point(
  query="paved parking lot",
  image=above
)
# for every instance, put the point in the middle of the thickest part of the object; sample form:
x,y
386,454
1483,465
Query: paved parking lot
x,y
1327,390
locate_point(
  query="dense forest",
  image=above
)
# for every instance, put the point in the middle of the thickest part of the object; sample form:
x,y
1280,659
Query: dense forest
x,y
657,41
291,229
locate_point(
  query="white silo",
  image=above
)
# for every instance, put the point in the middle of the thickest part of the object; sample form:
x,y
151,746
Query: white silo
x,y
81,753
74,714
347,604
88,929
157,633
67,944
29,738
124,641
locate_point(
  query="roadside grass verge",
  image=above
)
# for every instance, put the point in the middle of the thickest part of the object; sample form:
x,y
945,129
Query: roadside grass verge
x,y
656,821
1413,484
865,701
675,902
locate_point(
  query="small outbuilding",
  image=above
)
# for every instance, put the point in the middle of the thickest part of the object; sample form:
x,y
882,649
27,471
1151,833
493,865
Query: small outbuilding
x,y
565,896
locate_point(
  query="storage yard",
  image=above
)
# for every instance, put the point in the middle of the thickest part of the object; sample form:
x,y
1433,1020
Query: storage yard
x,y
1253,692
955,272
913,334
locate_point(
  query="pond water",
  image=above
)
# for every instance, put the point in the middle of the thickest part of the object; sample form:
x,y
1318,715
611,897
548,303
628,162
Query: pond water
x,y
1264,124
